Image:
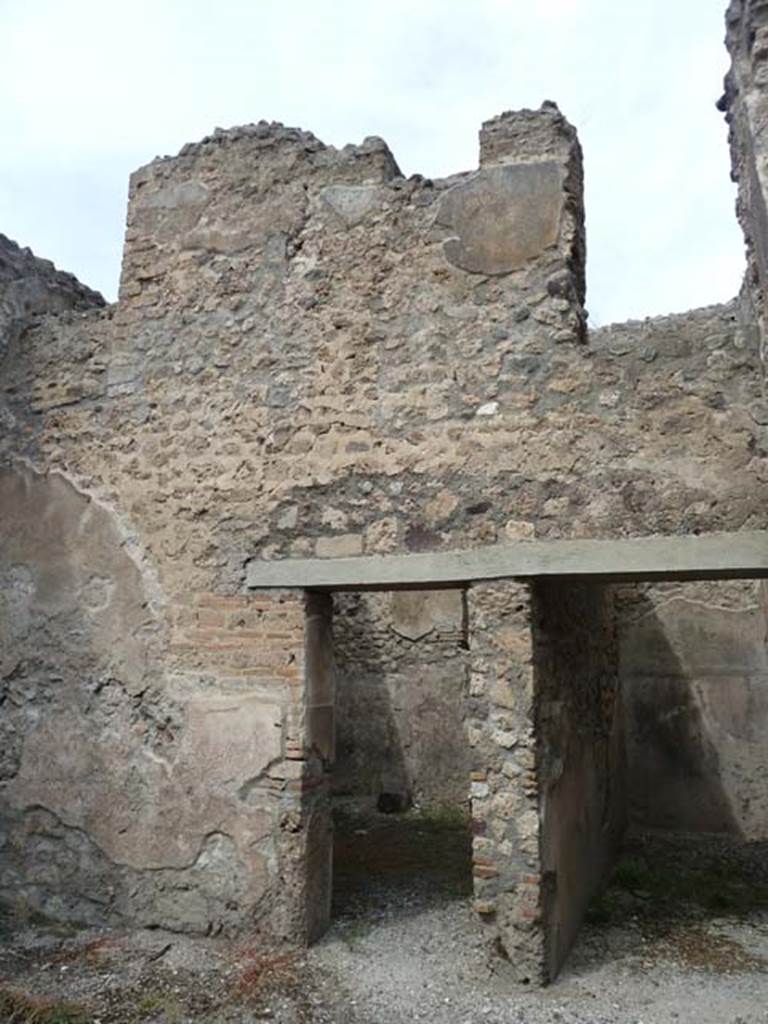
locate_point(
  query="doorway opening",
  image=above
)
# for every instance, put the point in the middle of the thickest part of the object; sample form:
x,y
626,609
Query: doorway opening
x,y
400,778
690,883
570,680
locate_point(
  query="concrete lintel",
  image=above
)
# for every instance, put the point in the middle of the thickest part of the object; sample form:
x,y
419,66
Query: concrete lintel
x,y
712,556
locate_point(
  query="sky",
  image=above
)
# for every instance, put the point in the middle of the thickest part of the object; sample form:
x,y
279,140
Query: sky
x,y
92,89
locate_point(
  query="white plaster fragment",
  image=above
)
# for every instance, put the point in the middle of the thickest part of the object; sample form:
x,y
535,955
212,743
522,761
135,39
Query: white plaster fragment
x,y
487,409
503,738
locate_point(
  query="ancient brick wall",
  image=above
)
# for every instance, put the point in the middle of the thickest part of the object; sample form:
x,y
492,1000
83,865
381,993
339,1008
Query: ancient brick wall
x,y
745,103
31,287
252,394
545,730
163,777
705,351
693,657
505,794
314,355
152,777
361,392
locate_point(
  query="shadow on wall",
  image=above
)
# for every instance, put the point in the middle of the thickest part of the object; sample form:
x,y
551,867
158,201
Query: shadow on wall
x,y
580,752
370,761
401,700
694,672
121,799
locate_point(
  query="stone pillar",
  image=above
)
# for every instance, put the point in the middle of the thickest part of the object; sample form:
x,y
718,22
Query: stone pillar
x,y
504,787
319,744
547,746
531,160
268,653
304,831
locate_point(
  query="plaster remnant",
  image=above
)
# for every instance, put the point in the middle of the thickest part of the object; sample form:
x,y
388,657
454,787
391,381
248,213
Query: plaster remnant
x,y
503,217
352,203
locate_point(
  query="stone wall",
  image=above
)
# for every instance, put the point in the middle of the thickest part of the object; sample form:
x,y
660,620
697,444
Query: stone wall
x,y
133,790
580,753
707,351
31,287
259,389
153,777
359,391
745,103
693,655
313,355
401,662
545,728
694,667
506,847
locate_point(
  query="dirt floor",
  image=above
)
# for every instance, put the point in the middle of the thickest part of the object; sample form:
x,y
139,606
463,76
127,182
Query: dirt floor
x,y
680,934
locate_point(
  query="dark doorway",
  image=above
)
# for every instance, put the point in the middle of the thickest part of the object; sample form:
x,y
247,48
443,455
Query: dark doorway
x,y
400,782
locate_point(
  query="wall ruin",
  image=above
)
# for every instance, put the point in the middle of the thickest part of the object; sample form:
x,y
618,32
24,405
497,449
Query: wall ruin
x,y
312,355
401,682
694,668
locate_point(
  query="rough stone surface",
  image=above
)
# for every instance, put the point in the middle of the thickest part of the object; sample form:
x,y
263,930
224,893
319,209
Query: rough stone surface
x,y
31,287
504,786
694,666
402,669
580,757
314,356
745,103
264,379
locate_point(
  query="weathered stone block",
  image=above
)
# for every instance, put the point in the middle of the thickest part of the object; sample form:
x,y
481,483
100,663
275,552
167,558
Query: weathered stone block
x,y
416,613
503,217
344,545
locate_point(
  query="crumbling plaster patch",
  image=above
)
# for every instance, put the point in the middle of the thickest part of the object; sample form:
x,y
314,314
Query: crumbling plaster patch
x,y
147,765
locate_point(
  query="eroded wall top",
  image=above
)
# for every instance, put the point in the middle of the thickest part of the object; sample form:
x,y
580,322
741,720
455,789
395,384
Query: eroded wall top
x,y
31,287
745,103
313,355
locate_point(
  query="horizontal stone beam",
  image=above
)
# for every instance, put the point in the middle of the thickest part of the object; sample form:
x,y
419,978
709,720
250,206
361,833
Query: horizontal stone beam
x,y
712,556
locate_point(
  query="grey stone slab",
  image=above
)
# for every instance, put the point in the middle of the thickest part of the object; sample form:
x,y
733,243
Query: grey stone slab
x,y
503,216
712,556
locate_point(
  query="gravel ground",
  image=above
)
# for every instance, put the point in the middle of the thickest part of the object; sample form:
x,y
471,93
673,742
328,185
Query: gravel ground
x,y
681,935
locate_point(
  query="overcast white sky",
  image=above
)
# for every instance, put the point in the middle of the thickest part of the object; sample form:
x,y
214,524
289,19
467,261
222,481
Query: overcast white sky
x,y
91,89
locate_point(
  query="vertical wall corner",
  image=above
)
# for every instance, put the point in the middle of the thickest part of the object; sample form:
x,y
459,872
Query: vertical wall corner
x,y
504,785
320,739
579,752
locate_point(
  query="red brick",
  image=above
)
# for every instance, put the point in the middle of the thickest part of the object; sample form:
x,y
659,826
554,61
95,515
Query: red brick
x,y
483,871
